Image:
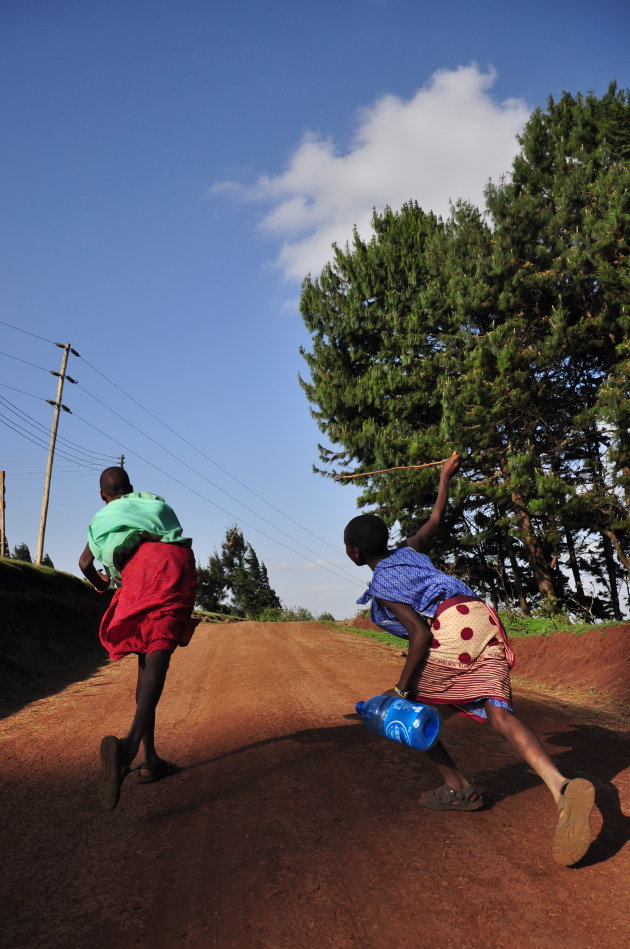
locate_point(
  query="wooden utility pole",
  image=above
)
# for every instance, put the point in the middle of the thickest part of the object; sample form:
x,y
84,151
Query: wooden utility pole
x,y
2,537
67,349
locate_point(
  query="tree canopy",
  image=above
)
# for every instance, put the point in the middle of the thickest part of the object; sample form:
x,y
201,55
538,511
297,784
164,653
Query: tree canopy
x,y
503,333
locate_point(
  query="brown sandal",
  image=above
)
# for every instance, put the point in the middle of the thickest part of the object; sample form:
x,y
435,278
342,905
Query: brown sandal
x,y
446,798
112,773
573,833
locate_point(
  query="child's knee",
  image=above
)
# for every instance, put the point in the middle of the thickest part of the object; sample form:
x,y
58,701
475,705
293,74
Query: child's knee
x,y
499,719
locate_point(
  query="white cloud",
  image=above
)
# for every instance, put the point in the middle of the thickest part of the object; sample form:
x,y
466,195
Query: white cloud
x,y
442,145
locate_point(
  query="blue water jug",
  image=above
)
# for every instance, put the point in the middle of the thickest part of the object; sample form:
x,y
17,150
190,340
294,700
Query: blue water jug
x,y
409,723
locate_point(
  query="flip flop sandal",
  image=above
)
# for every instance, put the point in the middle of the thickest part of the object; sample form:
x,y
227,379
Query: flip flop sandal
x,y
162,769
111,777
573,833
447,798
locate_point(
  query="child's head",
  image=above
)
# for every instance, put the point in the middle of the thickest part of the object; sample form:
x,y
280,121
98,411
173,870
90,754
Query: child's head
x,y
365,537
114,482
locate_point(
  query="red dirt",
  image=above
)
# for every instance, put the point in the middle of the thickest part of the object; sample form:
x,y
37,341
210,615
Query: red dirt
x,y
292,825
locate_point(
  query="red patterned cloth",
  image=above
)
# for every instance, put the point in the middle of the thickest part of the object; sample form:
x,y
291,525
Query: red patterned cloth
x,y
152,609
469,659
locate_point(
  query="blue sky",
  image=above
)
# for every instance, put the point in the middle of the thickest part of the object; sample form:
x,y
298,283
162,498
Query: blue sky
x,y
169,172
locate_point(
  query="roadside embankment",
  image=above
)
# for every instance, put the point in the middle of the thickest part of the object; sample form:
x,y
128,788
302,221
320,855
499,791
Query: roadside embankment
x,y
590,669
48,619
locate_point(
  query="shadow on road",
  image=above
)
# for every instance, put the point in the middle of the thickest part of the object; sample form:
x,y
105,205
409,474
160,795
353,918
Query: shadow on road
x,y
587,750
20,689
590,751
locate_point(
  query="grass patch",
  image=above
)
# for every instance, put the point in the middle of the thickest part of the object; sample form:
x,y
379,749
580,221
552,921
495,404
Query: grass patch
x,y
516,627
210,617
377,634
521,627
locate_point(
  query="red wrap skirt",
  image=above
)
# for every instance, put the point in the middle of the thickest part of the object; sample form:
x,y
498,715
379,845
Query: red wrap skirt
x,y
152,609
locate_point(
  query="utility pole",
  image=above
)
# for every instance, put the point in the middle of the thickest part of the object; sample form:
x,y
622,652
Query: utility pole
x,y
2,537
122,461
67,349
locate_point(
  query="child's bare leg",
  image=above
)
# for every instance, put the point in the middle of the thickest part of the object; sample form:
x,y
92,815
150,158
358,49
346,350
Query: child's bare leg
x,y
151,678
574,799
448,769
148,738
527,744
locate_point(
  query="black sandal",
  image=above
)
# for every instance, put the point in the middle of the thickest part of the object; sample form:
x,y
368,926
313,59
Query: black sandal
x,y
446,798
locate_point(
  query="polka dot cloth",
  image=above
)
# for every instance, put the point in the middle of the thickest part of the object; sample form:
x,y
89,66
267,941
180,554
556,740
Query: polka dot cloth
x,y
461,632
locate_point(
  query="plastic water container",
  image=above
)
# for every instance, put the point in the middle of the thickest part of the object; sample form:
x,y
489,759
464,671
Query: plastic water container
x,y
408,723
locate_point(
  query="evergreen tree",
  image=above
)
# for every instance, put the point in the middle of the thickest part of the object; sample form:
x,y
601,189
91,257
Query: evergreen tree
x,y
211,586
235,579
21,552
509,340
47,562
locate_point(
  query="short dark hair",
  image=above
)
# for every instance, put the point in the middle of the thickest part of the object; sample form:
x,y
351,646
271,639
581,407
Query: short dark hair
x,y
369,533
115,481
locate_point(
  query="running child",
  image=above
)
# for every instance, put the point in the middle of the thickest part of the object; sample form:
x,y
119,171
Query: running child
x,y
139,540
458,658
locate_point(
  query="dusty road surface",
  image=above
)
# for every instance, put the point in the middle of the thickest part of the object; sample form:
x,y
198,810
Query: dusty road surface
x,y
292,825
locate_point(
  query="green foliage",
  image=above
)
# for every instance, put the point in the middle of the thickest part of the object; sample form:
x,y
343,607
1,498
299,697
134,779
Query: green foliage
x,y
285,614
235,580
21,552
505,335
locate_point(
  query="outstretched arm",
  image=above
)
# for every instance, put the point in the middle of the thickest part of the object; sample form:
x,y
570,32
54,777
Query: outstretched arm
x,y
89,571
423,538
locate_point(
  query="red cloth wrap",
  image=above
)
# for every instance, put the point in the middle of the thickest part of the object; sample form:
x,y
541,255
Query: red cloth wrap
x,y
152,609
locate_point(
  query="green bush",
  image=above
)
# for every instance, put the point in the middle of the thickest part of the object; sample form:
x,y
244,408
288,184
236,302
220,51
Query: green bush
x,y
286,614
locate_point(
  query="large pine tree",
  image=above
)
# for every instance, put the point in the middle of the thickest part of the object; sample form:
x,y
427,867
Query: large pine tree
x,y
505,336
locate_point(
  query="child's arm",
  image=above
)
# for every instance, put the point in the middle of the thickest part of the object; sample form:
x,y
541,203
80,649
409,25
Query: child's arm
x,y
423,538
419,639
89,571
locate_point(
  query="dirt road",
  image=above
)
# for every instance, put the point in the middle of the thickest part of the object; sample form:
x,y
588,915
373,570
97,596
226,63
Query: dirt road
x,y
292,825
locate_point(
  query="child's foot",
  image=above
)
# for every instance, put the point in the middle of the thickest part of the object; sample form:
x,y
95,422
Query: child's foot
x,y
573,833
150,771
113,772
447,798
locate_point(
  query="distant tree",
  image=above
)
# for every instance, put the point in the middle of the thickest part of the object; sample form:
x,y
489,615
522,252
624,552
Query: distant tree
x,y
211,586
6,552
250,586
21,552
47,562
235,580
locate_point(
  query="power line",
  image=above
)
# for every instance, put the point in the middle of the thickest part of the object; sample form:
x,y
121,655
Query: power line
x,y
207,457
31,394
96,456
25,361
180,461
209,480
28,436
221,508
20,329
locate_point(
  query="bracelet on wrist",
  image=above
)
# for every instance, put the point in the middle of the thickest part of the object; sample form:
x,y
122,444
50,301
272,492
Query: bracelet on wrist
x,y
400,692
